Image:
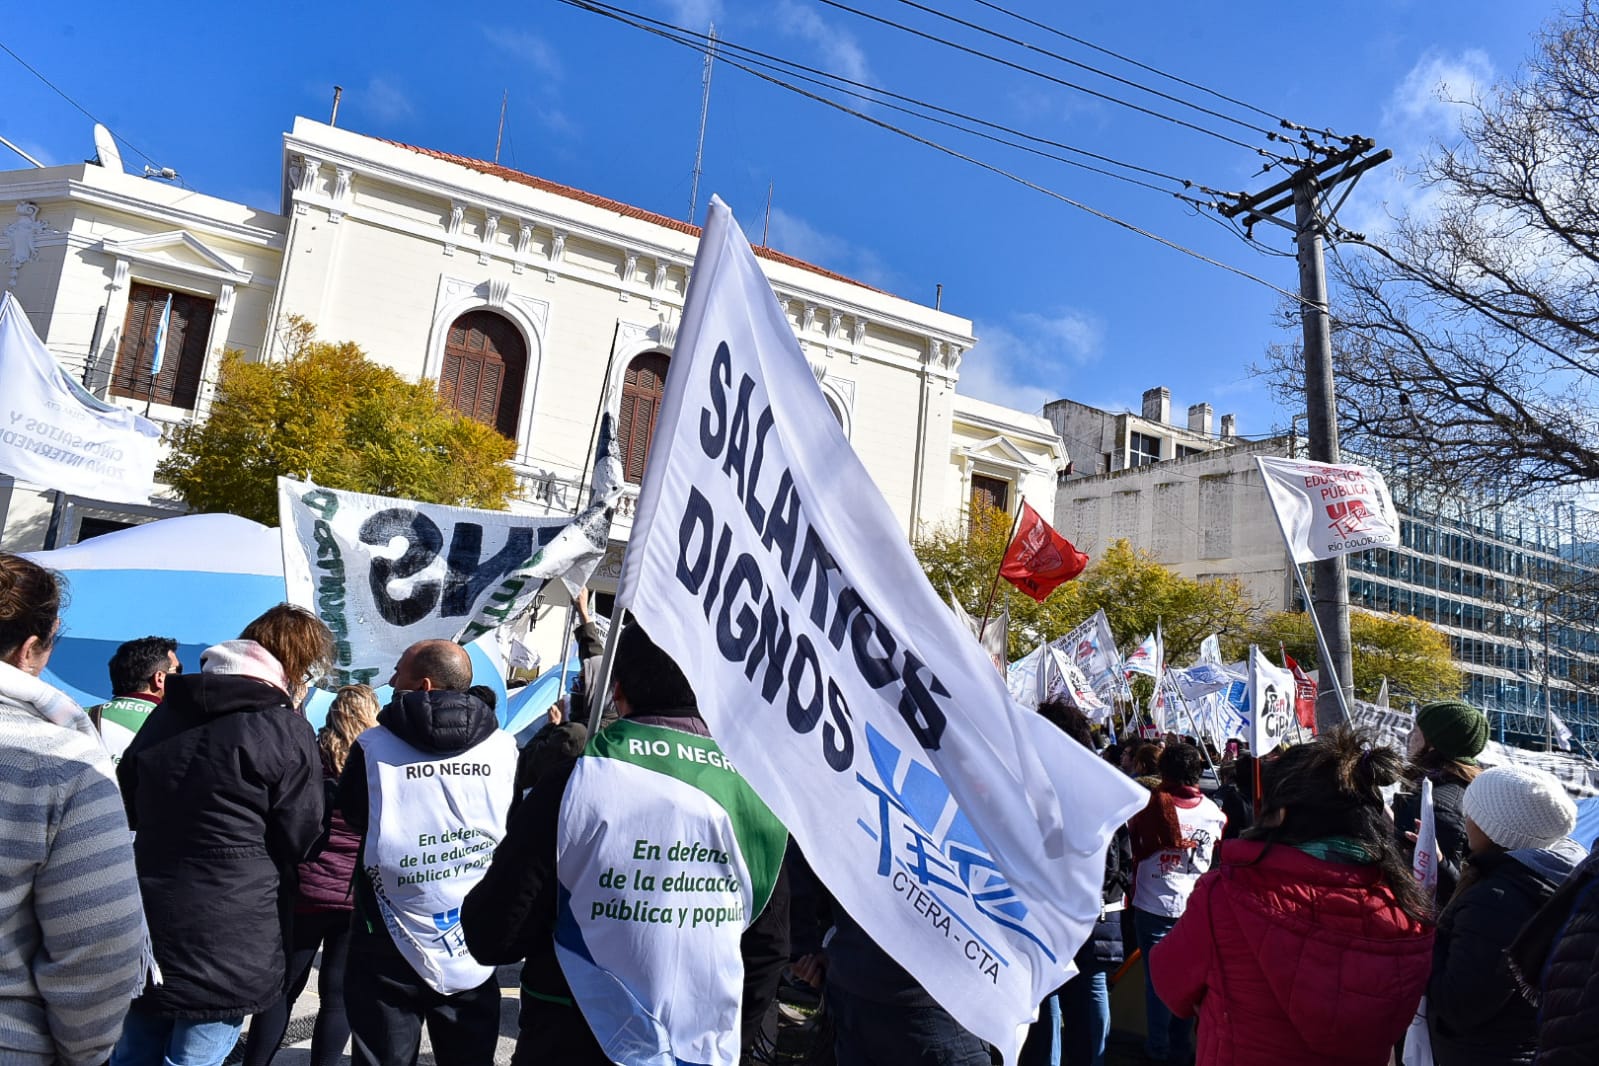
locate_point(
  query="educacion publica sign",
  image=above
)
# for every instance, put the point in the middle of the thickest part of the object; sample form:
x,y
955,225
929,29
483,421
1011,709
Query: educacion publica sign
x,y
383,573
964,834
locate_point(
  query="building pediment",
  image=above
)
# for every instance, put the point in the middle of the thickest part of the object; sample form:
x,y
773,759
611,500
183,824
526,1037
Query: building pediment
x,y
999,451
176,250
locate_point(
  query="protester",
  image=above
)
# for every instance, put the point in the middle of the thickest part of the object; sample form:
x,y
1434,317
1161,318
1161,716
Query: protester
x,y
322,909
1443,746
221,786
1517,821
1553,958
556,744
70,926
1310,942
654,775
1236,796
1174,841
1078,1026
139,670
428,789
1143,763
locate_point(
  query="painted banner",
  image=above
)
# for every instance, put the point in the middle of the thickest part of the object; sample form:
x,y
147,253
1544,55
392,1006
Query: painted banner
x,y
1144,659
648,925
1271,703
383,573
54,433
1076,688
1093,649
1327,510
962,831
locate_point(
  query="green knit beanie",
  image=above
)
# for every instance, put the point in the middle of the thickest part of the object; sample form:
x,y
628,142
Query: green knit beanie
x,y
1455,729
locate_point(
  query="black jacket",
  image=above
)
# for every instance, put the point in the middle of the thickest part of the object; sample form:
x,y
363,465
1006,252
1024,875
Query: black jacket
x,y
1449,821
510,916
1476,1011
223,787
438,721
1105,948
1555,957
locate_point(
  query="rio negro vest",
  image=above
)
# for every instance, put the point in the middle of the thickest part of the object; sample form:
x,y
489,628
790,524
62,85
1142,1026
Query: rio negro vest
x,y
665,855
433,828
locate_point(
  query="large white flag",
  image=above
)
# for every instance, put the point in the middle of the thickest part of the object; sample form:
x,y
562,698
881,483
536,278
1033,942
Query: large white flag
x,y
1271,703
54,433
964,834
1093,649
1326,510
383,573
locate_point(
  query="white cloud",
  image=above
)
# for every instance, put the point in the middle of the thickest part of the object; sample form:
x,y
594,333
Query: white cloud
x,y
1030,359
34,149
385,101
534,52
792,235
841,52
693,14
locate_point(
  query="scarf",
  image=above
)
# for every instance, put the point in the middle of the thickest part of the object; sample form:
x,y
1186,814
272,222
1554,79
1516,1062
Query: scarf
x,y
44,700
1338,849
1156,827
245,658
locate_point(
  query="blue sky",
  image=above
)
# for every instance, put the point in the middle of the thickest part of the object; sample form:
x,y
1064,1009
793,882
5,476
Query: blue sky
x,y
1064,303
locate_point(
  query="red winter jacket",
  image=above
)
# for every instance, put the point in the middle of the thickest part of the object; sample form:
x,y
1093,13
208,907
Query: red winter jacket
x,y
1290,959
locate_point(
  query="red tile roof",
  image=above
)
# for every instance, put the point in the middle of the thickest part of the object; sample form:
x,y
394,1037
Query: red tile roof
x,y
483,166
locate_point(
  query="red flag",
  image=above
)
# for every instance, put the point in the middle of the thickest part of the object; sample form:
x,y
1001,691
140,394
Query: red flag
x,y
1039,559
1304,695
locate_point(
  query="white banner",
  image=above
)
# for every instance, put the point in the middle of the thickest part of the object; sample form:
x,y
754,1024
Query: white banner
x,y
1077,689
1093,649
1326,510
965,834
54,433
384,573
1271,703
1425,862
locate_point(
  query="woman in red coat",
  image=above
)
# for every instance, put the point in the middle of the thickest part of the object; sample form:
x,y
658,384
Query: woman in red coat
x,y
1309,943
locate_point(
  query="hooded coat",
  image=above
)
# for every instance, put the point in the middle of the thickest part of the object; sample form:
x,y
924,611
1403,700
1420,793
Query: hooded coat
x,y
1554,959
1476,1011
223,788
1290,958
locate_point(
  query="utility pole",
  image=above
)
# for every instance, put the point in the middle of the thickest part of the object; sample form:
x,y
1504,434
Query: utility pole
x,y
1306,190
505,98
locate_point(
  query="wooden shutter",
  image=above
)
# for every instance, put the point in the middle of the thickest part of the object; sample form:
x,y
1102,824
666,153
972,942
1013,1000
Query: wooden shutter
x,y
183,361
642,388
485,364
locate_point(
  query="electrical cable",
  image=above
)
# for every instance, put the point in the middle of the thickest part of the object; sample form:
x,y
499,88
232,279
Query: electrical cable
x,y
774,62
62,93
1271,134
1107,97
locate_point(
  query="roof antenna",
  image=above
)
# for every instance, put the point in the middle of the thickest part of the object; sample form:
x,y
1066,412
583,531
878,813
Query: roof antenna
x,y
333,119
705,107
505,96
766,228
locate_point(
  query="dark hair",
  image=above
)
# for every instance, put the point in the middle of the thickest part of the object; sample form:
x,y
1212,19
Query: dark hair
x,y
30,603
1112,754
1244,775
1068,720
443,662
1181,764
485,694
134,663
297,639
646,676
1332,786
1440,767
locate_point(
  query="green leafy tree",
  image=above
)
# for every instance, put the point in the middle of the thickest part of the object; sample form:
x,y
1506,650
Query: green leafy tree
x,y
1134,589
1412,654
330,414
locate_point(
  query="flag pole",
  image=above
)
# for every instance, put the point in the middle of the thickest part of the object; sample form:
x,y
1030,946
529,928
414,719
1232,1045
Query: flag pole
x,y
1194,725
602,677
1327,666
988,605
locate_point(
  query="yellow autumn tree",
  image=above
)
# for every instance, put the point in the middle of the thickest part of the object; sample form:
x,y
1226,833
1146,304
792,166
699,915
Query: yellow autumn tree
x,y
1412,654
329,414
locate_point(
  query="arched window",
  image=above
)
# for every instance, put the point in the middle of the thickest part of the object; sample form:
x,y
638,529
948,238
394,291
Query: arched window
x,y
642,387
485,363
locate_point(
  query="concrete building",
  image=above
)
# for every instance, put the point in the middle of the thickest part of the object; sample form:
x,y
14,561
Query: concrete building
x,y
1103,442
1485,578
534,305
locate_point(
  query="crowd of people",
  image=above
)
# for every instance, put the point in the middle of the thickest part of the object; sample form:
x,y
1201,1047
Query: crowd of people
x,y
177,861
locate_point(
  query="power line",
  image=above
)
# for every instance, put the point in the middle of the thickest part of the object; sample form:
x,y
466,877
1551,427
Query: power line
x,y
797,69
1269,134
690,38
62,93
990,167
978,53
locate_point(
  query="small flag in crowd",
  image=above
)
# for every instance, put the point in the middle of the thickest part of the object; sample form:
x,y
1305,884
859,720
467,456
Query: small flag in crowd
x,y
1327,510
1270,689
1425,864
161,337
1562,732
1039,560
1144,659
1382,695
1304,694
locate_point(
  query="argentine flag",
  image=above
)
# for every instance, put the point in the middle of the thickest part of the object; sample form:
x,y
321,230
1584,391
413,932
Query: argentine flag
x,y
161,337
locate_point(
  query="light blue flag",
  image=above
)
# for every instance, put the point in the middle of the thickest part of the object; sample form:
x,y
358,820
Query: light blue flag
x,y
161,337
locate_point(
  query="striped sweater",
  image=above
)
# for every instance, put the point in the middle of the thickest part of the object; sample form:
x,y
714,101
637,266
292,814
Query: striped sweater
x,y
70,924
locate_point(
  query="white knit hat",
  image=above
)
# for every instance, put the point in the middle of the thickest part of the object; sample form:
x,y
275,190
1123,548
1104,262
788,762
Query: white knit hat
x,y
1520,808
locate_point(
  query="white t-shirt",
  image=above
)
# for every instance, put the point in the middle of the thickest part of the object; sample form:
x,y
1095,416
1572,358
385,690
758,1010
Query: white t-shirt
x,y
1166,878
